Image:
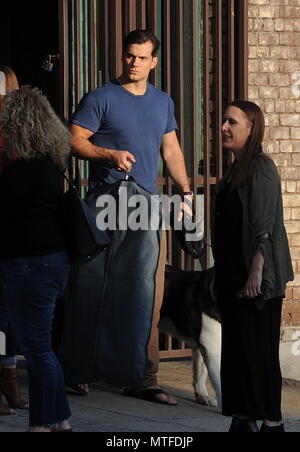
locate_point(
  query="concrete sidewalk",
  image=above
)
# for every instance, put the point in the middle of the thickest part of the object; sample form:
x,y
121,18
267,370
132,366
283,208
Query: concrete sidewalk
x,y
107,410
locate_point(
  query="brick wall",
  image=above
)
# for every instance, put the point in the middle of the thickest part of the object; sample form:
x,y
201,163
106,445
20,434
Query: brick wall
x,y
274,84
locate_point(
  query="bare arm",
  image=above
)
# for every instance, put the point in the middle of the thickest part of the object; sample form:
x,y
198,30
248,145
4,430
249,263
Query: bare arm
x,y
174,160
173,157
84,149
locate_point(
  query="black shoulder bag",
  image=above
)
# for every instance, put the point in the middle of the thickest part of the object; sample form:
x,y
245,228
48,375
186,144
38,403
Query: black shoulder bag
x,y
84,239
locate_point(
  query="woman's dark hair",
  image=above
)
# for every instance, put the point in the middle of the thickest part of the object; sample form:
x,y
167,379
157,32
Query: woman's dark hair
x,y
253,146
141,37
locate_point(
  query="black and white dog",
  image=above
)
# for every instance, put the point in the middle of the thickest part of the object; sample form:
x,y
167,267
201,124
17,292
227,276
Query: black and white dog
x,y
190,312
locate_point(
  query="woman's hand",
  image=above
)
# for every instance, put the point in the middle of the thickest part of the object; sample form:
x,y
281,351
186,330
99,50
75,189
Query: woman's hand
x,y
252,288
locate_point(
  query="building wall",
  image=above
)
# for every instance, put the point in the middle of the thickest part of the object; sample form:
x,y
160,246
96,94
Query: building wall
x,y
274,84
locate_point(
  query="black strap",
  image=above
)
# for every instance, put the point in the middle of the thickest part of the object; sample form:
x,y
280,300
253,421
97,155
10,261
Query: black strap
x,y
77,174
73,165
69,182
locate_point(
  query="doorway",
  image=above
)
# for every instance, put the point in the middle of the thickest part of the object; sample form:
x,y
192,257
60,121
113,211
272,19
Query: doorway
x,y
28,32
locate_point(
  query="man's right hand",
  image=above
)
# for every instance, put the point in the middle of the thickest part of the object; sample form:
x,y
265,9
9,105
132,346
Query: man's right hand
x,y
83,148
122,160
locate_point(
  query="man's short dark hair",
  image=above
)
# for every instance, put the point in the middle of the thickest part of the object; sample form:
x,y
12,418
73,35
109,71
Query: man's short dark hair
x,y
141,37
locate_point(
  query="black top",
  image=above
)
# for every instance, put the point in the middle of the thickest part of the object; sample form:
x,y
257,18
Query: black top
x,y
229,259
30,198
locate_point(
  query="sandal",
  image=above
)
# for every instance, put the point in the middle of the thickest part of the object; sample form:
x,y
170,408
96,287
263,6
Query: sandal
x,y
150,395
5,411
76,390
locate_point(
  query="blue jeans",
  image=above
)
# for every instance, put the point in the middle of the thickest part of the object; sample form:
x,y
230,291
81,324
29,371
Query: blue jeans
x,y
6,327
31,287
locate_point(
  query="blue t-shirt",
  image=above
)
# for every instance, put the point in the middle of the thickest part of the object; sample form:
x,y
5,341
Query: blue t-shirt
x,y
123,121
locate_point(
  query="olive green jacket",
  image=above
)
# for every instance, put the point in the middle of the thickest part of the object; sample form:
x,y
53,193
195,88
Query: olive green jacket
x,y
263,225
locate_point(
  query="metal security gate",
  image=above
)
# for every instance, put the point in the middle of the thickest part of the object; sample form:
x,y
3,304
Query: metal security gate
x,y
203,65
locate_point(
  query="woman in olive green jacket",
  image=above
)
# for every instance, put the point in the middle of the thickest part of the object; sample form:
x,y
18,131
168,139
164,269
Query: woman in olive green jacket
x,y
253,265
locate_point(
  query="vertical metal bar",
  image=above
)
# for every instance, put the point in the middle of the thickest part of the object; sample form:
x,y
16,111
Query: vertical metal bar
x,y
98,74
116,37
219,88
63,14
126,16
243,49
231,51
231,58
180,88
77,45
152,16
167,88
152,25
130,15
92,45
207,146
141,14
181,345
167,48
193,102
102,23
193,96
170,69
180,79
77,52
106,46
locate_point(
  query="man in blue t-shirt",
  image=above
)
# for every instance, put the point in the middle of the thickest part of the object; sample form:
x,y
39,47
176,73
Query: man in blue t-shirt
x,y
123,127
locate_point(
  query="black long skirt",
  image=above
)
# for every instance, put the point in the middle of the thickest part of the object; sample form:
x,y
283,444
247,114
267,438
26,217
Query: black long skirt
x,y
250,371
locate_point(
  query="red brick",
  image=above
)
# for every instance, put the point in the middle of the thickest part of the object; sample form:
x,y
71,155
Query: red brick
x,y
289,293
296,320
296,293
286,320
292,307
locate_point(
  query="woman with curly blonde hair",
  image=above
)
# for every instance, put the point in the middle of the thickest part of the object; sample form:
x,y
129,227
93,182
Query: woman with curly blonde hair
x,y
32,129
34,263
